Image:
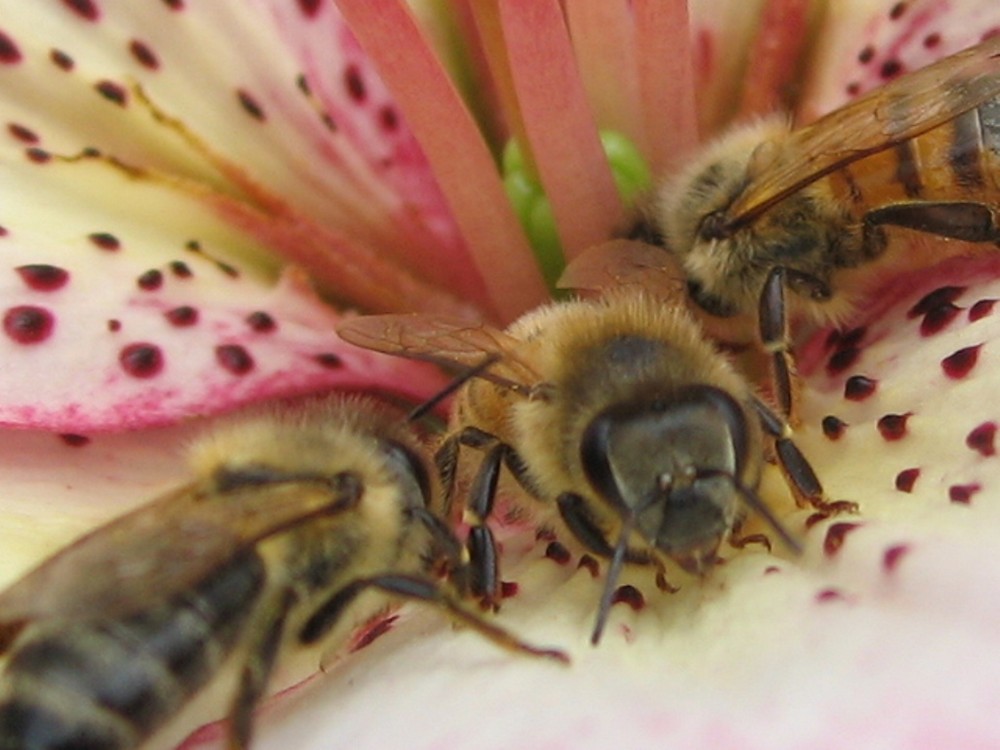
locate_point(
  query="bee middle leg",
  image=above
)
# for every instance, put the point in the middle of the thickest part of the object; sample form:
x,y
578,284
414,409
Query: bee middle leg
x,y
485,581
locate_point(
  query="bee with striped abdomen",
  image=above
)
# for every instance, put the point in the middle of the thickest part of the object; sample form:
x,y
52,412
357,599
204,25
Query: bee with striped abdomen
x,y
294,514
619,413
921,153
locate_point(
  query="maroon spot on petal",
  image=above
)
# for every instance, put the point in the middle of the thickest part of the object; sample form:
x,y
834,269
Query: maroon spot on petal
x,y
86,9
3,231
893,556
113,92
151,280
388,118
981,439
830,595
770,570
509,589
836,534
309,8
114,325
842,360
141,359
328,121
937,318
38,155
355,84
853,88
61,60
174,4
42,277
182,316
261,322
28,324
105,240
9,52
557,552
962,493
250,105
544,534
852,337
906,479
590,564
833,427
329,360
893,426
815,518
960,363
73,440
234,358
940,296
897,11
630,595
859,387
995,31
180,269
21,133
833,338
143,54
981,309
890,69
932,40
865,56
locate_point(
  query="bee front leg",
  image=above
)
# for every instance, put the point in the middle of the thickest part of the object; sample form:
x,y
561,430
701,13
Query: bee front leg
x,y
799,473
256,672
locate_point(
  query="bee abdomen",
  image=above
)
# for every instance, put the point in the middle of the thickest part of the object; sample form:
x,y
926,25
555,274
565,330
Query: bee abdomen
x,y
110,684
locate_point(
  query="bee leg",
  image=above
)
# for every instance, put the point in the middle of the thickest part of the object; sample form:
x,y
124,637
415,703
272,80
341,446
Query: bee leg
x,y
485,580
957,220
423,590
255,674
773,321
799,473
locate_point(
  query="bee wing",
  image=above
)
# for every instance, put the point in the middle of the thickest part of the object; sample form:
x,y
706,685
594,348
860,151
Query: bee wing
x,y
448,342
896,112
626,263
162,548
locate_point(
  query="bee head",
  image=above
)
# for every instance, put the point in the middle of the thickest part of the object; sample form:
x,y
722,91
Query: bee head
x,y
668,464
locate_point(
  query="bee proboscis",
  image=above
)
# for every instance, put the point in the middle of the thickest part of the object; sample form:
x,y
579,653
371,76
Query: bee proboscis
x,y
295,513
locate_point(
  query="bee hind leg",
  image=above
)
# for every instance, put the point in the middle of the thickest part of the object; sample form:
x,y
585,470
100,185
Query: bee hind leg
x,y
256,672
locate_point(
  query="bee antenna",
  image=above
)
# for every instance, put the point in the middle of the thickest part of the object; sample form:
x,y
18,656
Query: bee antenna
x,y
610,583
757,504
457,382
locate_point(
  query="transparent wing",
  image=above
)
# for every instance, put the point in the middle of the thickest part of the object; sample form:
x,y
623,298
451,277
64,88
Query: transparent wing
x,y
896,112
618,264
449,342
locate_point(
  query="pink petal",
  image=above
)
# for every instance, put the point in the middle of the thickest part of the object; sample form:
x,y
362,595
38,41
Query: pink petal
x,y
244,125
870,42
130,304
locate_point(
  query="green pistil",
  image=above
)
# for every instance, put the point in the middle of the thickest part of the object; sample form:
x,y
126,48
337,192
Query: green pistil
x,y
631,176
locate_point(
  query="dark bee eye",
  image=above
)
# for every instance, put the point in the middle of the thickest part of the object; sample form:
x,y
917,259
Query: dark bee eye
x,y
713,226
708,302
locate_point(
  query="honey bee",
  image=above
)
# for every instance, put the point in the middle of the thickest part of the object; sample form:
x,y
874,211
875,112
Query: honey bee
x,y
619,411
920,153
294,514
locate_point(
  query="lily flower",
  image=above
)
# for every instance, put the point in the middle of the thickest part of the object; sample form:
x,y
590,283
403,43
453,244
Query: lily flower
x,y
192,194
